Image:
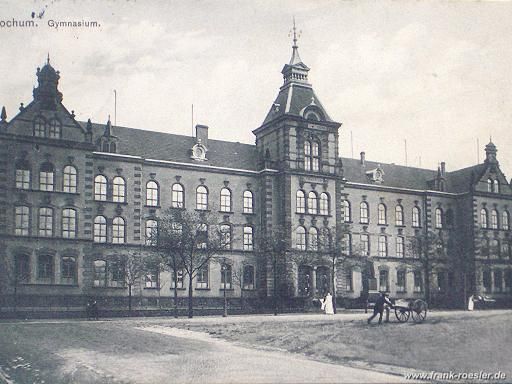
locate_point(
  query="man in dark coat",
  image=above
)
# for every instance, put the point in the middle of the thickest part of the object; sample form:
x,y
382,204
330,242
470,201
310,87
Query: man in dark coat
x,y
380,304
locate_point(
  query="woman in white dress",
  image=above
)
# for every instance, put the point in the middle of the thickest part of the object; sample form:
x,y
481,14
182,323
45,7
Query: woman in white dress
x,y
327,304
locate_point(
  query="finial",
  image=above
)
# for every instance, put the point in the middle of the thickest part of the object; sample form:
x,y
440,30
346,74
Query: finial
x,y
48,59
109,117
295,34
89,125
3,115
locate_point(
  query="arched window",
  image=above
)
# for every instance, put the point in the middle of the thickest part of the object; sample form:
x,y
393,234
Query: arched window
x,y
152,194
484,221
383,246
39,127
118,230
312,203
305,277
365,244
248,238
505,249
301,202
505,220
382,214
346,214
22,175
21,220
68,270
100,229
225,236
494,219
383,280
201,198
69,223
202,277
177,196
313,239
300,242
69,181
151,232
54,129
248,277
494,248
100,188
324,204
416,218
399,215
225,200
363,212
119,190
100,273
490,185
496,186
46,177
248,202
439,218
45,222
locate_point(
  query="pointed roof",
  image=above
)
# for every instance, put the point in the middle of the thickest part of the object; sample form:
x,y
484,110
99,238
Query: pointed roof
x,y
47,93
108,129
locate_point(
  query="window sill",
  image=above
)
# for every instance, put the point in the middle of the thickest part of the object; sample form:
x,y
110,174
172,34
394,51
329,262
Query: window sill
x,y
202,289
152,288
400,226
227,289
39,190
152,206
202,210
383,224
248,289
364,222
111,202
227,212
249,213
181,288
107,287
41,284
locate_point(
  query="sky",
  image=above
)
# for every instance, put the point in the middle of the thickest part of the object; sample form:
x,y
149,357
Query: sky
x,y
433,74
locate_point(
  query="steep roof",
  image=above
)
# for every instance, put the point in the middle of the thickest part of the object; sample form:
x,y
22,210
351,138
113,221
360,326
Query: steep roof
x,y
171,147
461,180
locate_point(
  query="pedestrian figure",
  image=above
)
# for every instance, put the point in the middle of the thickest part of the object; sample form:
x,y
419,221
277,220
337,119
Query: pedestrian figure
x,y
471,303
327,304
380,304
92,310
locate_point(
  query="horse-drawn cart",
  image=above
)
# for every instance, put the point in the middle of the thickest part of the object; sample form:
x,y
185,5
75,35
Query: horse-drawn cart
x,y
417,309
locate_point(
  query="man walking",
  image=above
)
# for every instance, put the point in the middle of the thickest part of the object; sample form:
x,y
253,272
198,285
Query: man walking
x,y
380,303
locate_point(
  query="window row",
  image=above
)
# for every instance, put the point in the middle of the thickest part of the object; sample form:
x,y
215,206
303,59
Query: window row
x,y
46,269
314,204
46,177
495,248
493,186
51,128
104,191
312,239
382,215
382,246
497,281
45,221
494,222
401,281
202,197
118,232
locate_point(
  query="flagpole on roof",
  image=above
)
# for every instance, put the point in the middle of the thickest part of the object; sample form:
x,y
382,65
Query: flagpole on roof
x,y
115,107
192,120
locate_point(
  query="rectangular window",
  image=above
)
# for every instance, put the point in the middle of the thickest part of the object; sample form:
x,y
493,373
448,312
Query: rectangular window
x,y
45,222
179,279
365,245
46,181
383,246
416,217
151,278
100,273
23,179
68,270
418,282
383,280
349,284
486,280
117,274
226,276
22,221
248,277
498,281
399,246
400,281
202,277
346,244
69,223
69,181
248,239
22,266
45,267
363,211
248,202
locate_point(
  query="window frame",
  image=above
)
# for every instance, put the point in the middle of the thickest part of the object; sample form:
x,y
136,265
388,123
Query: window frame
x,y
416,217
439,218
45,221
100,229
382,214
69,179
202,198
300,238
69,223
324,203
23,176
382,248
119,189
226,200
151,238
364,209
248,238
100,187
300,201
178,196
251,284
248,202
118,230
312,203
152,194
22,222
47,177
399,215
46,267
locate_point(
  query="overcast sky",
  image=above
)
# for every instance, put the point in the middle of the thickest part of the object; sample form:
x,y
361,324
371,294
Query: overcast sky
x,y
434,73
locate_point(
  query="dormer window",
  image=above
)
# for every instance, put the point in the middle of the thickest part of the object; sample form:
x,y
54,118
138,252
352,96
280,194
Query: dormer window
x,y
199,152
376,175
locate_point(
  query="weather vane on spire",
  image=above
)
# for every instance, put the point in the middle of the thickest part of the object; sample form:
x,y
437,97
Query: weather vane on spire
x,y
296,35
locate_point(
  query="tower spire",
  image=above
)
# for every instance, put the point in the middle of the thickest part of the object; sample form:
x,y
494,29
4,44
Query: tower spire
x,y
295,48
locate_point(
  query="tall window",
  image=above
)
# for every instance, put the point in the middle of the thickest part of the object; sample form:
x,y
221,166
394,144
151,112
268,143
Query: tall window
x,y
151,277
505,249
225,236
313,239
202,277
248,278
311,156
382,214
119,190
486,280
505,220
100,273
100,229
300,241
117,274
21,220
118,230
226,276
345,212
201,234
248,202
324,204
365,245
151,232
399,215
498,281
441,281
46,177
363,212
418,281
312,203
100,188
383,246
349,282
248,238
68,270
484,221
22,175
383,280
400,281
69,223
416,220
201,198
45,267
45,221
496,186
399,246
346,244
177,196
69,182
152,194
179,278
307,155
22,267
301,202
39,127
225,200
494,219
54,129
439,218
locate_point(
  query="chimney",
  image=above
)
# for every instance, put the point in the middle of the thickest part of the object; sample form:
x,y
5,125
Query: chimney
x,y
363,161
202,134
443,169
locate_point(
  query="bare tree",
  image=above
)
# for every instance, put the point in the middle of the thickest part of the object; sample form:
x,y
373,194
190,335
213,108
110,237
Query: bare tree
x,y
12,273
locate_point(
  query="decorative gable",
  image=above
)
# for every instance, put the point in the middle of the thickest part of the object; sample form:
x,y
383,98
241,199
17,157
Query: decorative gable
x,y
376,175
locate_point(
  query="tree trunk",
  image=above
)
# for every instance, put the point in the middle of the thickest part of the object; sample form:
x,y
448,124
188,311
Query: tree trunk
x,y
130,298
175,280
334,285
190,291
241,297
275,285
15,296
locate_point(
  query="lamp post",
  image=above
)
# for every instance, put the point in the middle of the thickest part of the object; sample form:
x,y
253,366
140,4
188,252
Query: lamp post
x,y
224,271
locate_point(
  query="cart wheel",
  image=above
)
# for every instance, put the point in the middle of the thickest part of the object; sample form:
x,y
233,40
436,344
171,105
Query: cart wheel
x,y
402,314
419,311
